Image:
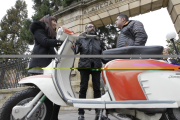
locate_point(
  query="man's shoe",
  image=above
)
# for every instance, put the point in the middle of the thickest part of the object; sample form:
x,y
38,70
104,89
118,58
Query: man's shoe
x,y
102,117
125,117
81,117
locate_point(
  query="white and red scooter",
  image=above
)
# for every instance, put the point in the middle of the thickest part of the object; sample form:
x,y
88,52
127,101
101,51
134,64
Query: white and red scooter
x,y
142,89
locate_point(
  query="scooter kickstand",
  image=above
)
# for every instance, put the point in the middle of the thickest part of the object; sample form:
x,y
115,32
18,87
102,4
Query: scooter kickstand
x,y
100,114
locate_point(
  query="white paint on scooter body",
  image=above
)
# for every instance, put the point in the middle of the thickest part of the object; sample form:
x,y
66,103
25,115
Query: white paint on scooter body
x,y
46,85
161,85
108,86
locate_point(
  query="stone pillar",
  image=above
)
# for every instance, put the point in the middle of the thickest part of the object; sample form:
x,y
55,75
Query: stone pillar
x,y
124,9
7,93
174,11
145,6
134,8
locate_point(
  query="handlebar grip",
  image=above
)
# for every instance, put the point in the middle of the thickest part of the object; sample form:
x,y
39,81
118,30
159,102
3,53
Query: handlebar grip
x,y
91,36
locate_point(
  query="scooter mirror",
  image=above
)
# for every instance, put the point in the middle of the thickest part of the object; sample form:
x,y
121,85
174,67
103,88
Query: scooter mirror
x,y
171,35
59,33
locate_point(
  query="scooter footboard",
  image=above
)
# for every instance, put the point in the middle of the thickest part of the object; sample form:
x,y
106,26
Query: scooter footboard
x,y
84,103
141,104
46,85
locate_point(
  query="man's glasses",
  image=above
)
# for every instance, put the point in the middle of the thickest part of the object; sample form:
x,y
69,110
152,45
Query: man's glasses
x,y
91,27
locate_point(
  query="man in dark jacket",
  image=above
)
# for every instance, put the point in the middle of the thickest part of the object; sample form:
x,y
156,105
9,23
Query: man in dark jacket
x,y
132,32
89,46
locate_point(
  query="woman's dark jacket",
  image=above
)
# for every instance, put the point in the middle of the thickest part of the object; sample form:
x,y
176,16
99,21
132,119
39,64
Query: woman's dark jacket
x,y
132,34
89,46
44,45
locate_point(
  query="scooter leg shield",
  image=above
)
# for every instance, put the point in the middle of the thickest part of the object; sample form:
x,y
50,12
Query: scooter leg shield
x,y
46,85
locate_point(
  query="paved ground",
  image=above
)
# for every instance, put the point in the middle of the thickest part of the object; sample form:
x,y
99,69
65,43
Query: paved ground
x,y
73,115
89,115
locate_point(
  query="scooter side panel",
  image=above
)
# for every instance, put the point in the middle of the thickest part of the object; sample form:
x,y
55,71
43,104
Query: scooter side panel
x,y
46,85
122,76
161,85
125,85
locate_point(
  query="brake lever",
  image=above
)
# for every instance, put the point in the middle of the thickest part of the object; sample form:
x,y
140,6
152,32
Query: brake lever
x,y
55,51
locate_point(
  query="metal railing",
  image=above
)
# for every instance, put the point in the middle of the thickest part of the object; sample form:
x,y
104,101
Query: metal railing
x,y
11,71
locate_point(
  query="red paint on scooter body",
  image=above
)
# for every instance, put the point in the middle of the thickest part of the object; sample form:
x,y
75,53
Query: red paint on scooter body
x,y
68,31
122,75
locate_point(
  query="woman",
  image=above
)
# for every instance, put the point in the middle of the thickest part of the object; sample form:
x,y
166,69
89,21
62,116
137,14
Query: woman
x,y
44,32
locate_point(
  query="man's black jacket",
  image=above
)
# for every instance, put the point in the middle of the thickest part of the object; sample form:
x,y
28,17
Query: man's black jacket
x,y
88,46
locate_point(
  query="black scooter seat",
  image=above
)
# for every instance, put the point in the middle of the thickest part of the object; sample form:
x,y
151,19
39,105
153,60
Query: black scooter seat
x,y
132,50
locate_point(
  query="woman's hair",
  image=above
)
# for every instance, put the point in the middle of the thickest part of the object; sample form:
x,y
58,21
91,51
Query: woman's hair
x,y
48,21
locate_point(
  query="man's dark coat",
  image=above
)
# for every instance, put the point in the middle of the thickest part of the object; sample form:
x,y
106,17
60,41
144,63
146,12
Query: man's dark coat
x,y
132,34
89,46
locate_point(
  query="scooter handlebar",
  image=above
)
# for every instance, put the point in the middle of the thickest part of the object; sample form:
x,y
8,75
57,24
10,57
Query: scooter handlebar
x,y
84,35
91,36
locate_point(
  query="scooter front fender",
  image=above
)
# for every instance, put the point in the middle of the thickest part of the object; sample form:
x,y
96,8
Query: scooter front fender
x,y
46,85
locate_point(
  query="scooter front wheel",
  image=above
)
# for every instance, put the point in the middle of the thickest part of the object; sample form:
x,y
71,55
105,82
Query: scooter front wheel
x,y
22,98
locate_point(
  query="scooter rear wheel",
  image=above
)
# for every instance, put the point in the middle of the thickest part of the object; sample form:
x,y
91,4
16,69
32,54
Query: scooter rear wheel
x,y
23,97
174,113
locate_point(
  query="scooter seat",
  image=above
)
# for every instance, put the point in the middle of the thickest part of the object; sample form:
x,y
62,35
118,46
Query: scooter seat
x,y
132,50
35,71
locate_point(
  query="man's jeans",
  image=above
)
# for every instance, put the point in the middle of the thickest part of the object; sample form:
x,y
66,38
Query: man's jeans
x,y
84,85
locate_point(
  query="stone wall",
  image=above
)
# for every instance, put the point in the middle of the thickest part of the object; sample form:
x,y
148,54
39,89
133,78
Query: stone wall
x,y
6,93
103,12
174,11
